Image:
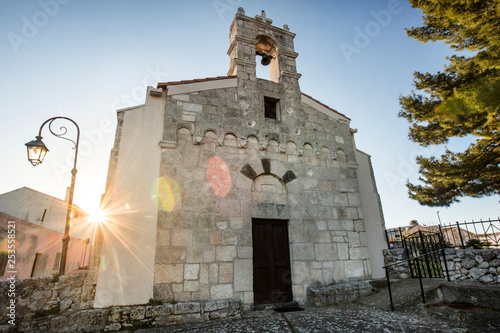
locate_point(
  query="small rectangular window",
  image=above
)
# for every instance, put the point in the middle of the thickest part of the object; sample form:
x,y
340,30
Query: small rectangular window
x,y
271,108
36,265
57,261
3,262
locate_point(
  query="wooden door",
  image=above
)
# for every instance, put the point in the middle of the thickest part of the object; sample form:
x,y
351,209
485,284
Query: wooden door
x,y
272,281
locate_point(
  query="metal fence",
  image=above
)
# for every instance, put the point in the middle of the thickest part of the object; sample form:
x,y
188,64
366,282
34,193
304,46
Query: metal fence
x,y
394,238
419,271
473,234
425,254
425,248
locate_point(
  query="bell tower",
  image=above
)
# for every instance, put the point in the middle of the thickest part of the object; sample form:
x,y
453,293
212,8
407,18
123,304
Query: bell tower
x,y
252,37
256,36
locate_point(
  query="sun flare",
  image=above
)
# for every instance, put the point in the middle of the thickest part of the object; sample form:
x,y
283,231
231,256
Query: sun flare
x,y
97,216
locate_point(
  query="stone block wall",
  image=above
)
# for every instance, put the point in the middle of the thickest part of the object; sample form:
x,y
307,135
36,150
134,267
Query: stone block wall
x,y
339,293
131,317
168,314
224,163
217,176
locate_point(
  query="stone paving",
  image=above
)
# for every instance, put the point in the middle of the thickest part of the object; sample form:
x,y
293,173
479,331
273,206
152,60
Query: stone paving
x,y
370,314
351,318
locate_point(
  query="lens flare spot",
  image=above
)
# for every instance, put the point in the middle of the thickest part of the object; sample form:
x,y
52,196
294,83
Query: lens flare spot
x,y
168,192
102,264
127,206
219,176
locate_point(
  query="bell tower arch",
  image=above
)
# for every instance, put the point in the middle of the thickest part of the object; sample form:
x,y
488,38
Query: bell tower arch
x,y
268,50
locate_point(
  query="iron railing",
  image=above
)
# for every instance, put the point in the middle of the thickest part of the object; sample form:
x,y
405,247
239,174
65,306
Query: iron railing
x,y
461,234
455,235
425,246
394,238
418,267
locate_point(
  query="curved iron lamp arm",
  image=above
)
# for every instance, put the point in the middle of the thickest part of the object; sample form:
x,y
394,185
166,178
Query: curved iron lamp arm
x,y
61,135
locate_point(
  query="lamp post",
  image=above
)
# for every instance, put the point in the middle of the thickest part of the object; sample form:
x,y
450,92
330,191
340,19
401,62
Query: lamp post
x,y
439,218
36,153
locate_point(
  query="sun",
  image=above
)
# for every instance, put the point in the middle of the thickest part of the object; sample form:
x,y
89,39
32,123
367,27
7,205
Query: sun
x,y
97,216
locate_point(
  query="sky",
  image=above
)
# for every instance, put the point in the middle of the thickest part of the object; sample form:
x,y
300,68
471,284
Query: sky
x,y
86,59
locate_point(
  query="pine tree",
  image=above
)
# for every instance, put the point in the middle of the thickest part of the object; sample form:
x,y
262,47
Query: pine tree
x,y
463,100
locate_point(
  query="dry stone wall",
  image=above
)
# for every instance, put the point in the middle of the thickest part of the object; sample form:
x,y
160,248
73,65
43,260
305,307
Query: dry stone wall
x,y
400,271
52,304
479,265
36,295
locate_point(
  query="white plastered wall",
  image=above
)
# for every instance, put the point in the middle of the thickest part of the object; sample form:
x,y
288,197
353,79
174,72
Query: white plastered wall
x,y
126,271
373,215
33,206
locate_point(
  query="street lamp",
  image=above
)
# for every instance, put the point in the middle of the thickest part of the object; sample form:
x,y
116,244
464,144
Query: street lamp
x,y
36,153
439,218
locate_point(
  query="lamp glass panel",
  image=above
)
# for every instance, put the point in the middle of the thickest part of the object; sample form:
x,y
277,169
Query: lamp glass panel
x,y
36,154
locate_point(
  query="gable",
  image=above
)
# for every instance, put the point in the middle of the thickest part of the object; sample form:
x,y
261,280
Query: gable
x,y
317,105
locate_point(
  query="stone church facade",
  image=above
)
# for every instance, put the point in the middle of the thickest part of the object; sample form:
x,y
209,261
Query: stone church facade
x,y
237,187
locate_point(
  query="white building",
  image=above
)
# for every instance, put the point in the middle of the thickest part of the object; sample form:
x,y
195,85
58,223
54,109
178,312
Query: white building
x,y
44,210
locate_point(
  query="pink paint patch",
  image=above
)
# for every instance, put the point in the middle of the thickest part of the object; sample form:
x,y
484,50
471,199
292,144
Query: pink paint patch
x,y
219,177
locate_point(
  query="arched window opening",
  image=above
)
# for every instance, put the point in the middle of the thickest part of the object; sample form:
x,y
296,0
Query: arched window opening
x,y
266,57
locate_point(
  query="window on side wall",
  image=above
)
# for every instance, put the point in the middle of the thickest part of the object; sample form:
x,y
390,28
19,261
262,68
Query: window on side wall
x,y
57,261
3,262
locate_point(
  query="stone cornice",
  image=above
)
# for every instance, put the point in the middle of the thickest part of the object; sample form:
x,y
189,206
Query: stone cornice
x,y
167,144
244,62
289,54
290,74
238,61
240,38
262,24
352,165
243,142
